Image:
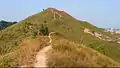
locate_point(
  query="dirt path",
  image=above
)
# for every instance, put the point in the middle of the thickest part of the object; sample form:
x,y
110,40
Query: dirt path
x,y
41,57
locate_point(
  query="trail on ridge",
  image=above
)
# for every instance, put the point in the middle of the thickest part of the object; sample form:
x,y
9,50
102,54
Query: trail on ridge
x,y
41,57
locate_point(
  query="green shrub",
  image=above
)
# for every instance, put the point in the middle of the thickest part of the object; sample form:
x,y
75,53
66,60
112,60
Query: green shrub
x,y
27,23
34,34
44,30
98,47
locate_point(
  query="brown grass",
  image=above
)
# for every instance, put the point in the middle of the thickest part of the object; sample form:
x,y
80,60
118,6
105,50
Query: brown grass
x,y
68,54
28,50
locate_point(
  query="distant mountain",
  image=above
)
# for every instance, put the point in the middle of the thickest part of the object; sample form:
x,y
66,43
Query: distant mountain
x,y
4,24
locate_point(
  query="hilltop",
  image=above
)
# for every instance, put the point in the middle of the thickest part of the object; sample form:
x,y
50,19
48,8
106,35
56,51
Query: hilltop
x,y
80,32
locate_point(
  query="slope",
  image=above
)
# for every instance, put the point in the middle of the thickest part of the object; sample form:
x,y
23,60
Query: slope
x,y
66,53
72,29
60,22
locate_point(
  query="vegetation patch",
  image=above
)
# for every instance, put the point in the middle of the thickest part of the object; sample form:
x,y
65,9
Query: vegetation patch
x,y
101,48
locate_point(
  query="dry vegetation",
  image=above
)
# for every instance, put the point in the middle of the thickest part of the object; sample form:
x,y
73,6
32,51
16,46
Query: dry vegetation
x,y
25,53
69,54
28,50
65,53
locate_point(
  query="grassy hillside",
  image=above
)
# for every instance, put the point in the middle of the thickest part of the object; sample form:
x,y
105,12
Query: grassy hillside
x,y
72,29
24,54
66,53
60,22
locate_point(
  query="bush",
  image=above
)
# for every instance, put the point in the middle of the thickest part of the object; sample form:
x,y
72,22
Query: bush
x,y
44,30
100,48
34,34
27,23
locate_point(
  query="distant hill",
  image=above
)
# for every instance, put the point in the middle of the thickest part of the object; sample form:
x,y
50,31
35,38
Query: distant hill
x,y
4,24
63,24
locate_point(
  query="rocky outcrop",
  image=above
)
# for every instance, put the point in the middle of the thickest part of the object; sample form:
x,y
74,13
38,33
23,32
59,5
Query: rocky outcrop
x,y
94,33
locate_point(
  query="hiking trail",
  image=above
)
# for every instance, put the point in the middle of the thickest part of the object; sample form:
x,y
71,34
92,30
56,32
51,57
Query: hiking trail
x,y
41,57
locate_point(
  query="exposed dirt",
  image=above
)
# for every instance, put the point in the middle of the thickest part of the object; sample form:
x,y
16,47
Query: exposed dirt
x,y
41,57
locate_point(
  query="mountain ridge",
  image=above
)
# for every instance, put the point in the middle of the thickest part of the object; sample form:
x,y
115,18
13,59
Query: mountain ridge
x,y
61,23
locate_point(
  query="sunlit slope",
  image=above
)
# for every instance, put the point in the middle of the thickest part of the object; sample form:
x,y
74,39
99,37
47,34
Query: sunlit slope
x,y
60,22
66,53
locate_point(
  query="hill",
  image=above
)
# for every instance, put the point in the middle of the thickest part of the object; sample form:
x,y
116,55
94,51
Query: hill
x,y
4,24
73,29
62,23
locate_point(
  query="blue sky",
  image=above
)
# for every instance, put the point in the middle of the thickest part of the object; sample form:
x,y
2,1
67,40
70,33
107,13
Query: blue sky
x,y
102,13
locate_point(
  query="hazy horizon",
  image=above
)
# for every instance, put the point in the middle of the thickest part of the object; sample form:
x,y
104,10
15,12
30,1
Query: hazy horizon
x,y
102,13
